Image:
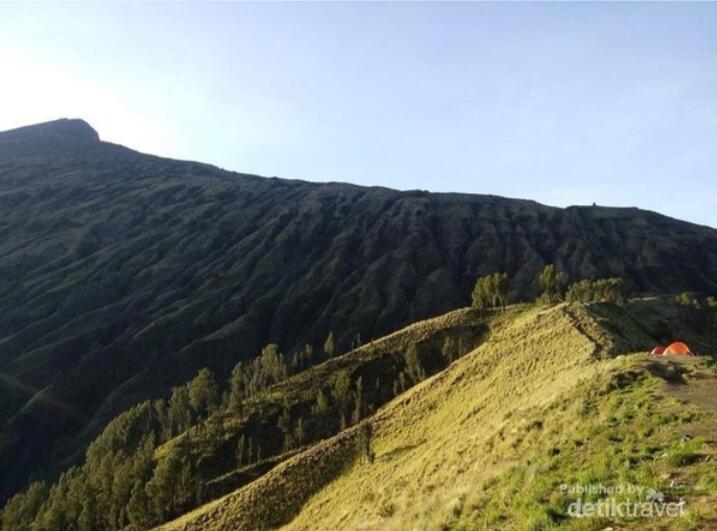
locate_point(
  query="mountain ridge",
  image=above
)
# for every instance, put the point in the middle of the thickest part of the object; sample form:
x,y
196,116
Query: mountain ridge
x,y
478,420
122,274
77,128
63,129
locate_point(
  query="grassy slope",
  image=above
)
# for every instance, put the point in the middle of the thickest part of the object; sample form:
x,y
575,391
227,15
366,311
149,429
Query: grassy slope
x,y
214,442
487,442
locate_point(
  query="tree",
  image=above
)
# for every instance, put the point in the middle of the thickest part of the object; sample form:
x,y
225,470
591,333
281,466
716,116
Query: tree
x,y
138,509
342,396
329,346
358,412
552,282
501,285
481,292
251,377
302,359
21,509
687,300
600,290
364,441
171,487
241,451
491,291
448,350
356,343
273,368
300,432
284,424
180,416
203,393
237,383
414,368
321,407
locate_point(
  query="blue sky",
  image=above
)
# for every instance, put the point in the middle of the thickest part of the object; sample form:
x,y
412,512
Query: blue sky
x,y
562,103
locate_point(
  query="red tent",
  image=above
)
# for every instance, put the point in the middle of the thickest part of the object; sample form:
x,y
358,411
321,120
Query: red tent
x,y
659,350
678,349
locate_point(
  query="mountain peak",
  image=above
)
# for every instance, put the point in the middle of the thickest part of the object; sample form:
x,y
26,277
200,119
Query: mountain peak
x,y
63,129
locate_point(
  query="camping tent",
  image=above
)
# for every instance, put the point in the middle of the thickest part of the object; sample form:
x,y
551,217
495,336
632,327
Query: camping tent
x,y
659,350
677,349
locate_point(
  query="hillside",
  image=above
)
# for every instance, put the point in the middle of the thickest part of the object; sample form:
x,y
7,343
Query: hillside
x,y
468,386
122,274
129,475
561,396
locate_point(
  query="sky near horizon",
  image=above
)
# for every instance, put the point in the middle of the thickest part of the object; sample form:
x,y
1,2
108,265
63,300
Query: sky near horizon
x,y
614,103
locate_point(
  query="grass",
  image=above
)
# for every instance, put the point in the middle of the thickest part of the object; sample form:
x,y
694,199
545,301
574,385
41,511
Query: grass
x,y
552,398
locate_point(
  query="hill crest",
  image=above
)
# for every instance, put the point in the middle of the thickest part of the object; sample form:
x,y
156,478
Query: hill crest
x,y
529,396
63,129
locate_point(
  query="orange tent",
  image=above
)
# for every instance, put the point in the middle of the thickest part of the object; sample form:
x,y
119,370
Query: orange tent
x,y
659,350
678,349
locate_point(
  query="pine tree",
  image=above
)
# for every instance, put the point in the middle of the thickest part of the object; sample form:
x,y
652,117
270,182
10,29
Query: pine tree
x,y
356,343
241,451
138,509
365,440
552,283
414,368
448,350
491,291
358,411
300,432
402,381
321,407
237,386
180,416
342,396
329,346
284,424
20,510
203,392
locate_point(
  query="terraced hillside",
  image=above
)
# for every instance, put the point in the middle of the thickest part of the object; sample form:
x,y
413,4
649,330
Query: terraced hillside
x,y
122,274
555,398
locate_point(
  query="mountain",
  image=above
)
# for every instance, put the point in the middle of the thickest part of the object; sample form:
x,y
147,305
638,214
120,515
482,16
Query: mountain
x,y
122,274
470,420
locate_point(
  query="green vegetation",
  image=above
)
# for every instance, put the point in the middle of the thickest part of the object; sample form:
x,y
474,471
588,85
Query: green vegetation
x,y
553,283
488,442
601,290
701,314
491,291
329,345
162,458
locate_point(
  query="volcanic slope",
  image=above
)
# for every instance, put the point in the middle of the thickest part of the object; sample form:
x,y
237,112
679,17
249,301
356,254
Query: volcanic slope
x,y
122,274
561,396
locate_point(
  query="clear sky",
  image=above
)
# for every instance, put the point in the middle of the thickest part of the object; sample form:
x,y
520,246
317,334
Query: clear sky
x,y
561,103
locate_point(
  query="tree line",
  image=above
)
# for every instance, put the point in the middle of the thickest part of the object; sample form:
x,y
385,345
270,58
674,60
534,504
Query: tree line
x,y
122,485
492,291
132,480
